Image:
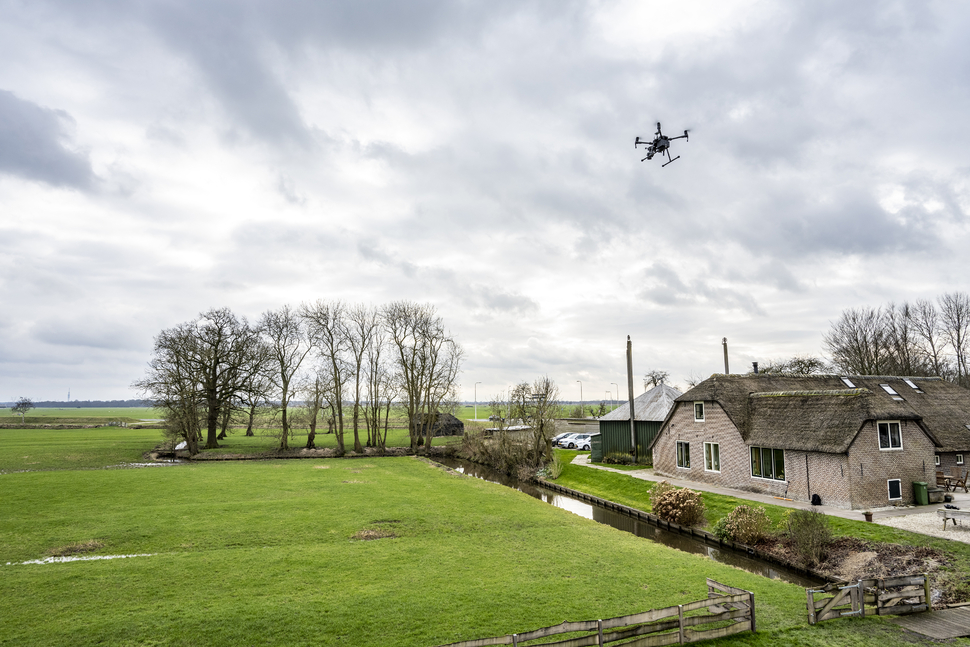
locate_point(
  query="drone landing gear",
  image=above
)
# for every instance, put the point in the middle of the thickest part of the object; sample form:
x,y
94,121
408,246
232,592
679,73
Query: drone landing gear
x,y
665,164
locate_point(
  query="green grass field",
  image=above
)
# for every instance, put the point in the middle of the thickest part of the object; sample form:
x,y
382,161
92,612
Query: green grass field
x,y
263,552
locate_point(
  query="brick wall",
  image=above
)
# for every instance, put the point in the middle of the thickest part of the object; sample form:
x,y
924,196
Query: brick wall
x,y
870,468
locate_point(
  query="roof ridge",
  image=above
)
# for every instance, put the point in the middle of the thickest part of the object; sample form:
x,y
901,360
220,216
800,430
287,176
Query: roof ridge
x,y
843,392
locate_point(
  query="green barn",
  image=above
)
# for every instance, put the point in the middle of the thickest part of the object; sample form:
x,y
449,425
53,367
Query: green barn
x,y
651,409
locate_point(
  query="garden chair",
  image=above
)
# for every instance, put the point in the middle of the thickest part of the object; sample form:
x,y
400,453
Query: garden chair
x,y
942,480
958,478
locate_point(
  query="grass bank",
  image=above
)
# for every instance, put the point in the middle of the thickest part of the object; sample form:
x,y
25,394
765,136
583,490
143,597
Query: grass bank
x,y
635,493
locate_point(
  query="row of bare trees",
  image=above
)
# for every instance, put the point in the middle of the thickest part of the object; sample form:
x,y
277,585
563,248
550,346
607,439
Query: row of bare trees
x,y
326,355
921,338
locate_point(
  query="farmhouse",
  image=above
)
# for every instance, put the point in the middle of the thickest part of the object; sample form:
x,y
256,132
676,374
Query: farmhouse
x,y
855,441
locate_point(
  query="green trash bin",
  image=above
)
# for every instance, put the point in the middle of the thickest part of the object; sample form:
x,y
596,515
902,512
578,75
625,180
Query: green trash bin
x,y
919,493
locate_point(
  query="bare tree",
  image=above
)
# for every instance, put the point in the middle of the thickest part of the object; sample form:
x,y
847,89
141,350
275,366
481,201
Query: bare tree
x,y
654,377
955,320
428,360
795,365
925,321
288,342
380,391
856,342
537,405
361,324
328,332
313,389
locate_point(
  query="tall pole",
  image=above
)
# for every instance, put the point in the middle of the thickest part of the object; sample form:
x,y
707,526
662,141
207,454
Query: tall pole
x,y
581,399
727,371
629,379
617,392
476,399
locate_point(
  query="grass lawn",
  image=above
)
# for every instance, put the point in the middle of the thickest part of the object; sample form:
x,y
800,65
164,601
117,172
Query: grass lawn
x,y
263,552
68,415
48,449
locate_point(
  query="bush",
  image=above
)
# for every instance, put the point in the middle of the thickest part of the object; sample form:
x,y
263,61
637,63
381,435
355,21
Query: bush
x,y
809,531
504,453
684,507
619,458
744,524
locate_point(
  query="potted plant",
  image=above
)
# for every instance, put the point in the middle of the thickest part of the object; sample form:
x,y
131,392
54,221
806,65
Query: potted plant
x,y
868,515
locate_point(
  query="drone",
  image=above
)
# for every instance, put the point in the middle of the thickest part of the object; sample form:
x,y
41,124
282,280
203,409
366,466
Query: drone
x,y
660,144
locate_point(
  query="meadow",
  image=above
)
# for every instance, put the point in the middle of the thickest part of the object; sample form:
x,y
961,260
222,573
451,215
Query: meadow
x,y
274,552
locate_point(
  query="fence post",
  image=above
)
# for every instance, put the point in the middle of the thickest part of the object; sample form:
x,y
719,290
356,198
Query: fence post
x,y
751,606
680,620
599,630
811,606
515,640
926,591
862,598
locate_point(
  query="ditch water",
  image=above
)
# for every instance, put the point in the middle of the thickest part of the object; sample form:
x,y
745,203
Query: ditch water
x,y
638,527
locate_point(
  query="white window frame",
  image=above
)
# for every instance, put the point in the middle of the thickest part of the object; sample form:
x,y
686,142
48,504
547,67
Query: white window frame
x,y
890,448
709,450
959,459
686,453
889,490
702,407
774,476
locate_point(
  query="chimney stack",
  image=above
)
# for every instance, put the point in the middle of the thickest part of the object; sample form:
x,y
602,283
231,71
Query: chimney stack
x,y
755,364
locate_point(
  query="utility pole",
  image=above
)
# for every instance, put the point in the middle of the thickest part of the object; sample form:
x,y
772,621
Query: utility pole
x,y
581,399
629,379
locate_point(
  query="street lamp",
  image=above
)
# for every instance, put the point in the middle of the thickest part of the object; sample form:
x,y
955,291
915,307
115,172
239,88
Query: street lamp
x,y
581,399
476,399
617,392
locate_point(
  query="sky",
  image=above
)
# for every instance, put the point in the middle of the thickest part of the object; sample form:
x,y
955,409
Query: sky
x,y
163,157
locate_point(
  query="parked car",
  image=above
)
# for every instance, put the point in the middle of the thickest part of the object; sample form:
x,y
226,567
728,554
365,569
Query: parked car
x,y
578,441
564,441
558,437
587,444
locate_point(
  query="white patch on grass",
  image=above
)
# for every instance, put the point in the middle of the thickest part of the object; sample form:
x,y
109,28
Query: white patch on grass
x,y
58,560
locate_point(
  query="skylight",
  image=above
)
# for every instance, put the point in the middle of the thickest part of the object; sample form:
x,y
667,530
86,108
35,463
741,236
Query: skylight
x,y
848,382
910,383
888,389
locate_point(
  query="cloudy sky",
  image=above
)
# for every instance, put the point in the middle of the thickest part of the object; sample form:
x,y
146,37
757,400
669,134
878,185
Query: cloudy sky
x,y
162,157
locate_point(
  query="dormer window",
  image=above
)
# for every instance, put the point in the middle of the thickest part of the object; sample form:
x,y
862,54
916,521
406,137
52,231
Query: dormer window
x,y
698,412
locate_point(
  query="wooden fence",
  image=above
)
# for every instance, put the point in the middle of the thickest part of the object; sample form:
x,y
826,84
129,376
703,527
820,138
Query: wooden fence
x,y
886,596
729,610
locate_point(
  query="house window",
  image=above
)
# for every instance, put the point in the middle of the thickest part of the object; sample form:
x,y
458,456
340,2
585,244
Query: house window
x,y
768,463
959,459
712,457
895,489
698,412
936,459
683,454
889,435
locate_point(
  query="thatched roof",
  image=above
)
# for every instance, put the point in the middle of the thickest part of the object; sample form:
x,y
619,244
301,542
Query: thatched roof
x,y
652,405
824,413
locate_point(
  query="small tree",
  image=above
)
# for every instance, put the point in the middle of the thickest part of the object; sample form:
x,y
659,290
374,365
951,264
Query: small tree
x,y
23,406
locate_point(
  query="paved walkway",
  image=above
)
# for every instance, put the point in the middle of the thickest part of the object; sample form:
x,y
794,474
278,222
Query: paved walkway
x,y
961,498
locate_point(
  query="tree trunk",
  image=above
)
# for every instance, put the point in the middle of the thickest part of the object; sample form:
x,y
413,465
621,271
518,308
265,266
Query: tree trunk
x,y
309,438
252,415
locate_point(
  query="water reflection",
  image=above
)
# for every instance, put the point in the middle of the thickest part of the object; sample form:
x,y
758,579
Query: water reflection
x,y
635,526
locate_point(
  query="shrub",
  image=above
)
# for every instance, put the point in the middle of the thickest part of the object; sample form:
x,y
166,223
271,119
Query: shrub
x,y
809,531
504,453
684,507
619,458
745,524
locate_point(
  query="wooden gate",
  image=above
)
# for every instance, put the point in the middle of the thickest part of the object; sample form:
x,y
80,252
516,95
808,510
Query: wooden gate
x,y
884,596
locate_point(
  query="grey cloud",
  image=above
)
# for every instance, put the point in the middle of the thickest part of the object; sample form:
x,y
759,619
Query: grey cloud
x,y
665,287
35,143
92,332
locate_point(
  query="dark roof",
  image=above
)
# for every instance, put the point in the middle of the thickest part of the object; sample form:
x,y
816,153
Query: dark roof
x,y
651,406
824,413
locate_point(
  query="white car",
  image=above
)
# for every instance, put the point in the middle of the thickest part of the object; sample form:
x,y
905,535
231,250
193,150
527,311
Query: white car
x,y
578,441
564,440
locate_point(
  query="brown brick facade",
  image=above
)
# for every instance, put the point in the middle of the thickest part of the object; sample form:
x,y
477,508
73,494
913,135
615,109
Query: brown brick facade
x,y
854,480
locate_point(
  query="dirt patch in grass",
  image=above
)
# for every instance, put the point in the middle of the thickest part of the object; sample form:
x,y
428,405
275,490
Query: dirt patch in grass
x,y
849,559
371,534
77,548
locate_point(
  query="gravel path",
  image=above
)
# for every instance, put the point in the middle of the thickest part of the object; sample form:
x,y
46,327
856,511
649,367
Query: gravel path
x,y
929,523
